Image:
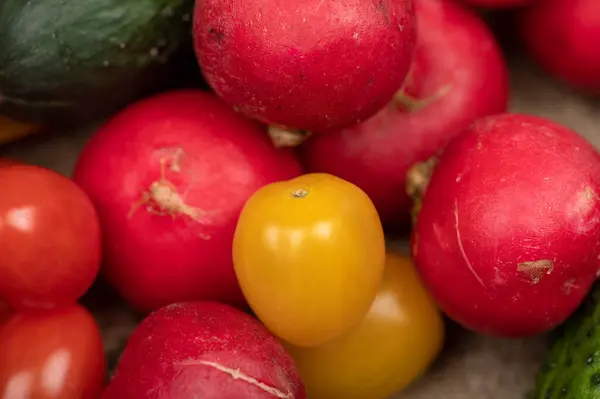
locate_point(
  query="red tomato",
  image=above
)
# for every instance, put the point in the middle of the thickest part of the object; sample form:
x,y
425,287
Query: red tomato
x,y
52,355
50,238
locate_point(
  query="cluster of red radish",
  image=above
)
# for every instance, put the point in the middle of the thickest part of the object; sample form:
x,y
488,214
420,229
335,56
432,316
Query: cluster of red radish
x,y
405,99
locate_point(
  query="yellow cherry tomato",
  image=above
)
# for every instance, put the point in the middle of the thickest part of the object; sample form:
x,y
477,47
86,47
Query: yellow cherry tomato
x,y
11,130
309,255
401,335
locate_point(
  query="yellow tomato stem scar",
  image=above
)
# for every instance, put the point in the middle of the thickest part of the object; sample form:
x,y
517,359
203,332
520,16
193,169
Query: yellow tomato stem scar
x,y
300,193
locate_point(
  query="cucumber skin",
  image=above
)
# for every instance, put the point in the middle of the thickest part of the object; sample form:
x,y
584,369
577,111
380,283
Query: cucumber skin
x,y
66,60
571,369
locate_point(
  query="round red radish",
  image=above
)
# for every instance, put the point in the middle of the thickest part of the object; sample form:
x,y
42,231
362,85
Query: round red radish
x,y
507,237
308,64
458,75
563,36
169,176
204,350
498,3
5,312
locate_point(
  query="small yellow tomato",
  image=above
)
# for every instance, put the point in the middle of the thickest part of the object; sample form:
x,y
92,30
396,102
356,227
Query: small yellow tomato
x,y
399,338
309,255
11,130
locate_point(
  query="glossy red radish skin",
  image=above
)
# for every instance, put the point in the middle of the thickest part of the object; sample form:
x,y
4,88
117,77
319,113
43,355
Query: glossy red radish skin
x,y
499,3
508,235
459,75
308,64
563,36
169,176
5,312
204,350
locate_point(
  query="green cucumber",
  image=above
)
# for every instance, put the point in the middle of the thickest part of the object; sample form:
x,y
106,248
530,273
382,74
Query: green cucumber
x,y
571,369
64,60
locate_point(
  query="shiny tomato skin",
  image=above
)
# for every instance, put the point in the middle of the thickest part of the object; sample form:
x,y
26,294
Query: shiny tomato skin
x,y
50,238
55,354
309,255
401,335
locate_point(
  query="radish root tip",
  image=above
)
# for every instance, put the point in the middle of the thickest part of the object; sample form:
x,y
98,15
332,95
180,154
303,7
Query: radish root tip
x,y
162,197
413,104
282,137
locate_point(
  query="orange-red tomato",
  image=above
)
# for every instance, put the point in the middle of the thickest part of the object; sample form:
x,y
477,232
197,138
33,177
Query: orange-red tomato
x,y
398,339
50,238
309,255
54,354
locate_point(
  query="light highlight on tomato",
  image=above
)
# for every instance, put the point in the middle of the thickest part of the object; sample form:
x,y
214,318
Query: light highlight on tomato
x,y
55,354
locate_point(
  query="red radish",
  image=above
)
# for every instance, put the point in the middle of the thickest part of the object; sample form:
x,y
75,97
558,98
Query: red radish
x,y
507,235
169,176
499,3
563,36
5,312
308,64
458,75
204,350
